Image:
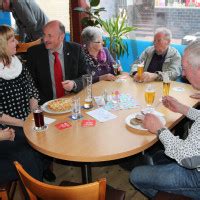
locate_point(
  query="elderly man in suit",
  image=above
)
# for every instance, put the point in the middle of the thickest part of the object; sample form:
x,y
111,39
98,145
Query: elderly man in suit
x,y
56,66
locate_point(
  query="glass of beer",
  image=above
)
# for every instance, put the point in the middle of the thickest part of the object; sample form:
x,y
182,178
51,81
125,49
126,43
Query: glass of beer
x,y
87,86
149,97
39,119
166,84
140,70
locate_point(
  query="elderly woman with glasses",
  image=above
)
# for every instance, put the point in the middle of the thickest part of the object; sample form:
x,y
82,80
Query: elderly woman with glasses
x,y
98,59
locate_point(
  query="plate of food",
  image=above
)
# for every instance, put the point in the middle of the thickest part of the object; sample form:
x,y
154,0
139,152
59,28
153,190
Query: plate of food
x,y
135,120
57,106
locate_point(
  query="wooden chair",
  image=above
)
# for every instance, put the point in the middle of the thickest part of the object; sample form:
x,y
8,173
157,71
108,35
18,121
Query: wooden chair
x,y
35,188
7,191
22,47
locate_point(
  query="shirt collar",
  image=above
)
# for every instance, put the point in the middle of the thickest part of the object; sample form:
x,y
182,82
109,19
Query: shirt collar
x,y
59,50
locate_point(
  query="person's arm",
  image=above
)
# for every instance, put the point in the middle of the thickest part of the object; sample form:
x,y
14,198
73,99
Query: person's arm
x,y
173,68
8,120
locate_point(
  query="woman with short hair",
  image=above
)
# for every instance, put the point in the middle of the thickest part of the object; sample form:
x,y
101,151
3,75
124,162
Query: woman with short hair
x,y
98,58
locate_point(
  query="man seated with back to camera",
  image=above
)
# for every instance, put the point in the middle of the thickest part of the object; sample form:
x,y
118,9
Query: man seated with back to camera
x,y
40,61
180,172
160,57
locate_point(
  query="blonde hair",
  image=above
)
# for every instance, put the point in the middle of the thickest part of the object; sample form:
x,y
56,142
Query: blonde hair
x,y
6,32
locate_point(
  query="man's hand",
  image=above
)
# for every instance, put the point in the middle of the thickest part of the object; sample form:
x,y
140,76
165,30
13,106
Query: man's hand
x,y
107,77
152,123
175,106
149,77
195,96
68,85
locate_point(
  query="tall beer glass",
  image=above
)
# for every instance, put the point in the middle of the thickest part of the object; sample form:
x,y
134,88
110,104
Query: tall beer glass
x,y
166,84
140,70
87,86
149,97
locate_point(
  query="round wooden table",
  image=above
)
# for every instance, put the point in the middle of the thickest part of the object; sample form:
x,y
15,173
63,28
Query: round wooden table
x,y
106,141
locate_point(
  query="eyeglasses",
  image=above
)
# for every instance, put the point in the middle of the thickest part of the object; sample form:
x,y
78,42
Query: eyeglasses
x,y
98,42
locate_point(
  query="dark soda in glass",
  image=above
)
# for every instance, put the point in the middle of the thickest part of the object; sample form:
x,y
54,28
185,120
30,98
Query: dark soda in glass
x,y
39,118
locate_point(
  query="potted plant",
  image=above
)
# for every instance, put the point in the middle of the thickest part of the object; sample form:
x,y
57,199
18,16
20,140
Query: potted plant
x,y
117,29
93,13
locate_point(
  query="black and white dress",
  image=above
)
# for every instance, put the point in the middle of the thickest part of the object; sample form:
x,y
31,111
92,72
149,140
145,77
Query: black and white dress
x,y
16,89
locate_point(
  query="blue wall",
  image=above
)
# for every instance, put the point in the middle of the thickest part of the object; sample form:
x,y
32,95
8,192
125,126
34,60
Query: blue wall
x,y
5,18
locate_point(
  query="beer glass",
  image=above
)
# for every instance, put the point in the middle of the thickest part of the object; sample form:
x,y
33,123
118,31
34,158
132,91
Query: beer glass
x,y
76,108
166,84
149,97
140,70
39,119
87,87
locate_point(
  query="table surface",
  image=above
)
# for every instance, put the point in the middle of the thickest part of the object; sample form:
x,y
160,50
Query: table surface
x,y
109,140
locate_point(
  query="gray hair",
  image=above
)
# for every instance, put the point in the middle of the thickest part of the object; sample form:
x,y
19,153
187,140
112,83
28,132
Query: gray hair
x,y
90,34
192,52
165,31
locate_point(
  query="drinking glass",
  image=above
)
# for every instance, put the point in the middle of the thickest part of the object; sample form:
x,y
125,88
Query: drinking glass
x,y
166,84
140,70
87,86
76,108
149,97
39,119
115,68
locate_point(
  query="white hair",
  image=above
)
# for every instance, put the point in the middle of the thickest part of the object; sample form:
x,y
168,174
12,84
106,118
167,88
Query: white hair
x,y
192,51
91,34
165,31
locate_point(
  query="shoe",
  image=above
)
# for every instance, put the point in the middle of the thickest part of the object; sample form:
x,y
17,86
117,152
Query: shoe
x,y
49,175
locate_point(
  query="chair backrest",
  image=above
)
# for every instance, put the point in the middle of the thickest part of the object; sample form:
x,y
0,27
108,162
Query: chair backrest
x,y
35,188
22,47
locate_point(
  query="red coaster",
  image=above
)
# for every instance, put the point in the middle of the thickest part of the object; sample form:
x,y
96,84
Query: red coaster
x,y
63,125
88,123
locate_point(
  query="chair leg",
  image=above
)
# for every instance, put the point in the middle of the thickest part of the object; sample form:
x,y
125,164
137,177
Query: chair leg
x,y
3,195
12,190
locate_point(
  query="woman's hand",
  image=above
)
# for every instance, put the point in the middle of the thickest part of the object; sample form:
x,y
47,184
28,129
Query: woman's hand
x,y
33,103
107,77
174,105
7,134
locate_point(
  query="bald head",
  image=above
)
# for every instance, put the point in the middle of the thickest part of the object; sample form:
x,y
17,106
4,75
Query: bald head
x,y
53,35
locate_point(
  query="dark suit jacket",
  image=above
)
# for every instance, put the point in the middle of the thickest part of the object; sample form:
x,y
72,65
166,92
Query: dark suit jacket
x,y
38,63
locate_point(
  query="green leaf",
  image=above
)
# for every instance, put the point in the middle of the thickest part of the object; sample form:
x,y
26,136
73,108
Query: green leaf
x,y
94,3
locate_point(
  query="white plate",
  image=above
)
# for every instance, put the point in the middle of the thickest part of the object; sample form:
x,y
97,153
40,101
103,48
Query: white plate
x,y
45,108
139,127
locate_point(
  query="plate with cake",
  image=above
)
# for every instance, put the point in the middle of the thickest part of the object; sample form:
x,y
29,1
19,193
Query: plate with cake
x,y
57,106
135,120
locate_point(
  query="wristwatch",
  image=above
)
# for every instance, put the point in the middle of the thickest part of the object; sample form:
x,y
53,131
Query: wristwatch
x,y
160,131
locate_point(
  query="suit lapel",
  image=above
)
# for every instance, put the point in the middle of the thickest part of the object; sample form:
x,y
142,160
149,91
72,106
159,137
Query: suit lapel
x,y
67,60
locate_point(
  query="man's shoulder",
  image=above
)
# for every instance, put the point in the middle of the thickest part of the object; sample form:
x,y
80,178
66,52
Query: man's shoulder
x,y
37,48
173,51
72,45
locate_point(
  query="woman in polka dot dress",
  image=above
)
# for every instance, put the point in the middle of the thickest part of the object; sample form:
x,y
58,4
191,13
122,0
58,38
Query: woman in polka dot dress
x,y
18,96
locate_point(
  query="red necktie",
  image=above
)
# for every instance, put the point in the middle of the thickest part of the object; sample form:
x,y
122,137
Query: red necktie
x,y
58,76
